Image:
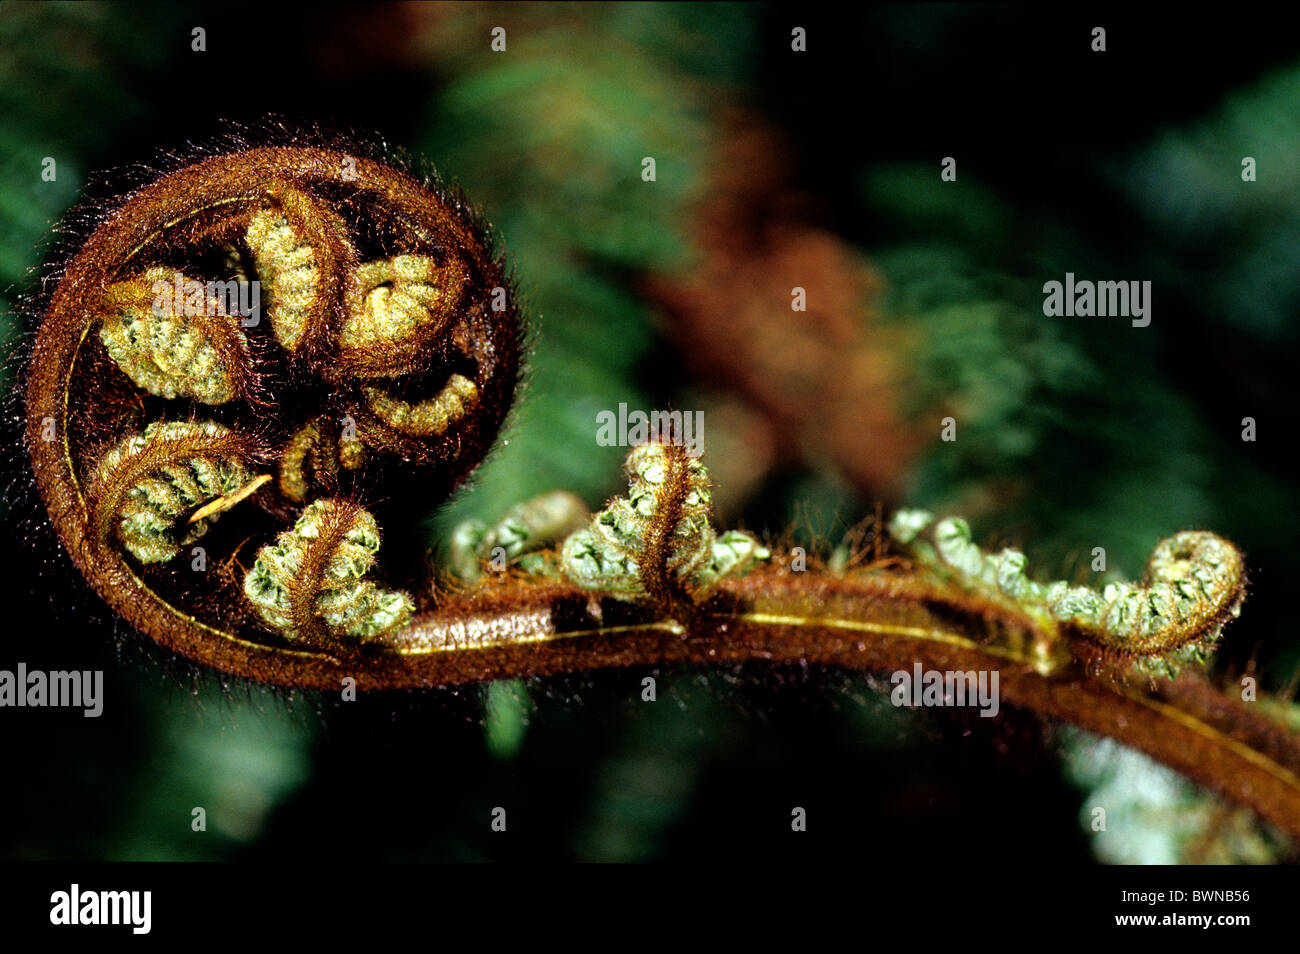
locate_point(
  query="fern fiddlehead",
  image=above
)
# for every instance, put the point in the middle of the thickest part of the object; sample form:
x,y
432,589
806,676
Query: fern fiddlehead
x,y
310,583
658,542
155,406
384,370
1196,582
149,481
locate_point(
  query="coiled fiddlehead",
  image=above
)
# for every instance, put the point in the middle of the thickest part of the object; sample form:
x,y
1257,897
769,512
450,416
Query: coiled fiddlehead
x,y
169,348
658,542
382,373
309,584
147,483
1195,582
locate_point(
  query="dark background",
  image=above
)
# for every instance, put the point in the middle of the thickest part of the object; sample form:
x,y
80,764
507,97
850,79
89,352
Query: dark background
x,y
1123,164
